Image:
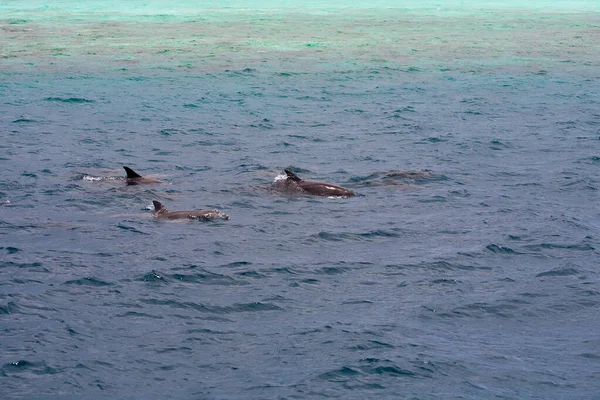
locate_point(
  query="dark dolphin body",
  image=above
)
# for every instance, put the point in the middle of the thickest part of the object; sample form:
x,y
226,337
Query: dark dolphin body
x,y
398,178
161,211
133,178
316,188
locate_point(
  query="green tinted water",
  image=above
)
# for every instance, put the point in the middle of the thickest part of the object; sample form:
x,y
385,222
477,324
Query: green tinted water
x,y
275,35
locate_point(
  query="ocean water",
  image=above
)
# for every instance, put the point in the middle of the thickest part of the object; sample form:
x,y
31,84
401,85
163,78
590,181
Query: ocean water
x,y
467,266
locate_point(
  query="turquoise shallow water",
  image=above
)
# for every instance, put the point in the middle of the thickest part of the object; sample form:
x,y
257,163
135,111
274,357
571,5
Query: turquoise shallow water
x,y
149,37
465,267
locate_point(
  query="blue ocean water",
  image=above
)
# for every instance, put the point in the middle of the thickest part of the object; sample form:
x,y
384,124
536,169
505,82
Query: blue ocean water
x,y
466,266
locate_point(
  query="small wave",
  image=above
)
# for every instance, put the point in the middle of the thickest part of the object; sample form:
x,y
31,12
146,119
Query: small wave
x,y
366,236
10,250
72,100
171,132
577,183
357,302
254,306
543,246
494,248
155,277
282,270
336,374
438,266
592,356
558,272
332,270
250,274
35,264
434,139
369,366
445,281
480,310
244,71
236,264
434,199
499,145
390,370
206,277
37,368
88,282
309,281
23,120
138,314
245,307
373,344
130,228
208,331
9,308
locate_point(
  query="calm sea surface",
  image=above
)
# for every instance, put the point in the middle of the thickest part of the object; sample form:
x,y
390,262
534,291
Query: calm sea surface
x,y
467,266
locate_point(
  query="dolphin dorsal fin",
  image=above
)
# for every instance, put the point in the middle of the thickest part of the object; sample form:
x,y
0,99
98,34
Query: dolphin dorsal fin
x,y
131,173
291,176
158,207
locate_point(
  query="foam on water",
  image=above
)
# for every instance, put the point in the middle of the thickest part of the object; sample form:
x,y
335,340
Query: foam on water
x,y
279,178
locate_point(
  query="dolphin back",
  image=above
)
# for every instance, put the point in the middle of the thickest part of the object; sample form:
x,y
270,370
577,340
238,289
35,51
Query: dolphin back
x,y
292,176
131,173
158,206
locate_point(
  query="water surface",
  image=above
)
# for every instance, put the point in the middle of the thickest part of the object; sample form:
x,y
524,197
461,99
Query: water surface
x,y
466,267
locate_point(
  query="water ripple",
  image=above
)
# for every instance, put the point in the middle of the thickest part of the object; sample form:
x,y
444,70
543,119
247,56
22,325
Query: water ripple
x,y
24,366
91,281
208,278
71,100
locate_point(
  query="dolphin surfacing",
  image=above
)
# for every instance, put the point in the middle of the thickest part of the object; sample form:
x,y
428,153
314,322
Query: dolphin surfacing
x,y
133,178
317,188
162,212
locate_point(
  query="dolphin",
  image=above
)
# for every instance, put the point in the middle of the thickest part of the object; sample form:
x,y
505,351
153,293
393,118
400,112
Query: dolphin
x,y
161,212
317,188
133,178
406,179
